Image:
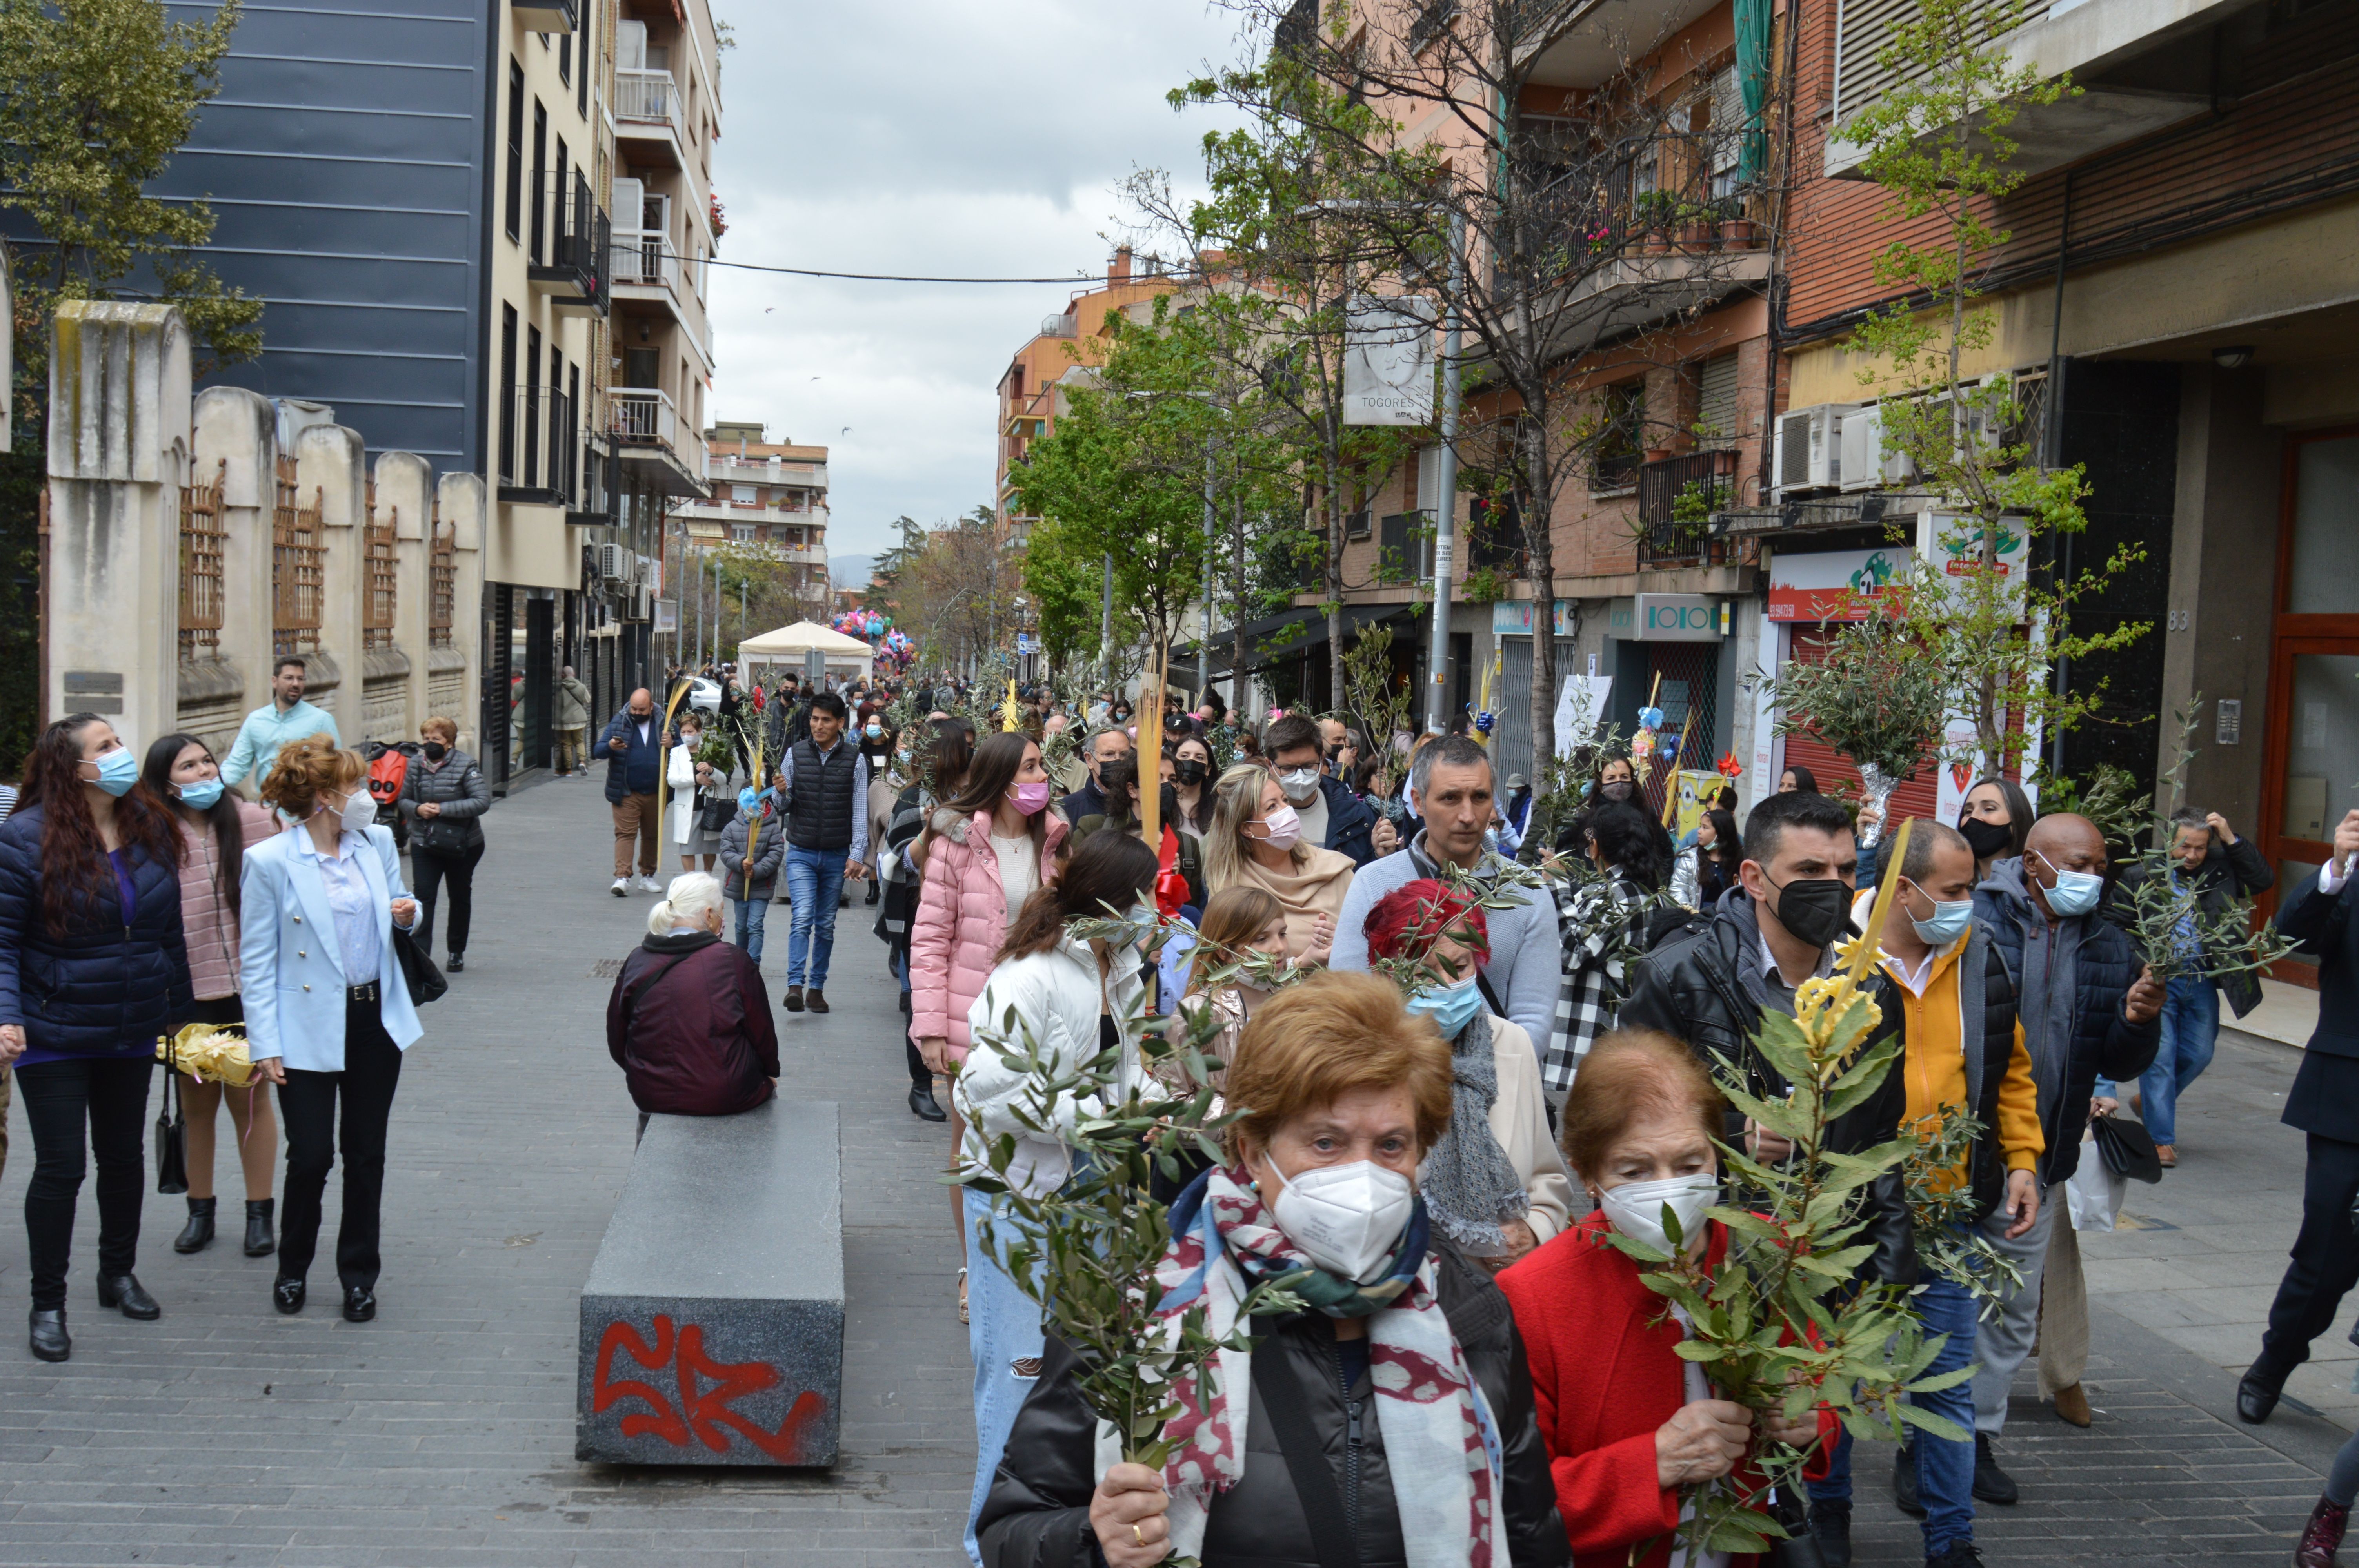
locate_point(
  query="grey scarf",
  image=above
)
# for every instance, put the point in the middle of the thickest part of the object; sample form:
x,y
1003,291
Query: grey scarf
x,y
1470,1186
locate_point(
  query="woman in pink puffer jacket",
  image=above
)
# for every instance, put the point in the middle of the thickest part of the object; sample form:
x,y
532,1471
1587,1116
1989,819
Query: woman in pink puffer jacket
x,y
985,852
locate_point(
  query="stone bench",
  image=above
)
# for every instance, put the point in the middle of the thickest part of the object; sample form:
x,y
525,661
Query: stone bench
x,y
713,1321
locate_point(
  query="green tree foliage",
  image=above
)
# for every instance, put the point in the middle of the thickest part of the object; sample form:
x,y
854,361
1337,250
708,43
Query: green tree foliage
x,y
1939,144
1068,592
1874,697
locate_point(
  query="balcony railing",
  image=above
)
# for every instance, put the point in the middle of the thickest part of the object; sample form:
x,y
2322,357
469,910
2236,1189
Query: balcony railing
x,y
578,253
1677,497
642,258
647,96
643,417
540,447
1669,192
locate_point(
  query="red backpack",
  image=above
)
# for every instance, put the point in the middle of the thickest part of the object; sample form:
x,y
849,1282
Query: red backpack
x,y
386,775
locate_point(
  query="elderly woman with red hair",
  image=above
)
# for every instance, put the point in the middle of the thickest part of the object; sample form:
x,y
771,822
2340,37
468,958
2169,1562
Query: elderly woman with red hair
x,y
1493,1183
1631,1428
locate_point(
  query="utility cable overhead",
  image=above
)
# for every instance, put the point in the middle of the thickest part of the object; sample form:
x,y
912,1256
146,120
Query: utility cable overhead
x,y
901,277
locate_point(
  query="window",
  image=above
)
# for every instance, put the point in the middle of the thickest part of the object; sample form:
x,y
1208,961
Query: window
x,y
559,206
573,421
516,150
564,57
531,404
1716,402
744,496
539,178
742,532
507,392
582,86
1621,442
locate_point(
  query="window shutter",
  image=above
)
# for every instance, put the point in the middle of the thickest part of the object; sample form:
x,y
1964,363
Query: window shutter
x,y
1716,401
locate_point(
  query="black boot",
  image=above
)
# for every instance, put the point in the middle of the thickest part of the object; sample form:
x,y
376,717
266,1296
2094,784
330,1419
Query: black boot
x,y
198,1234
259,1242
50,1340
1831,1528
1904,1482
126,1293
1992,1485
922,1101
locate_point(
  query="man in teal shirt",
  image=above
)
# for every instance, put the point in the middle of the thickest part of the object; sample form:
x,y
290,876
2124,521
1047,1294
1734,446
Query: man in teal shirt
x,y
286,717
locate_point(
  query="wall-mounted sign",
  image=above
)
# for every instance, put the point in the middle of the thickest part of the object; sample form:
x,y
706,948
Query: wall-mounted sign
x,y
1833,585
1674,618
1513,618
1388,360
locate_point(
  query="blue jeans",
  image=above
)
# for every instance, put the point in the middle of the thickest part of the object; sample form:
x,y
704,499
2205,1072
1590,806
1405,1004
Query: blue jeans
x,y
1005,1339
814,880
2190,1028
1945,1471
751,913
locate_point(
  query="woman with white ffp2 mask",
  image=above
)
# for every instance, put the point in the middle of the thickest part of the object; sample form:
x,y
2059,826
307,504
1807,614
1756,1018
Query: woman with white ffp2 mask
x,y
1637,1130
1433,1434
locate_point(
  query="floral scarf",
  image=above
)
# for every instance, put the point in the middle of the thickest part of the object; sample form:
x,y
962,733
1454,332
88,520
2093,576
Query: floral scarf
x,y
1439,1436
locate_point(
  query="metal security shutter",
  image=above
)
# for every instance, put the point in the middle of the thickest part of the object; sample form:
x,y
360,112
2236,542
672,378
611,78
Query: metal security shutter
x,y
1832,768
1716,401
1863,34
1511,740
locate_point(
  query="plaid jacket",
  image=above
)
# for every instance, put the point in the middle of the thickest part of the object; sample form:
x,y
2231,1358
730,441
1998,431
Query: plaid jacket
x,y
1603,923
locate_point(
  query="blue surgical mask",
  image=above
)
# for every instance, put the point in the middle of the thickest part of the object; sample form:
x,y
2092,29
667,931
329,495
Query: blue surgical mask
x,y
118,771
202,794
2075,893
1451,1008
1949,922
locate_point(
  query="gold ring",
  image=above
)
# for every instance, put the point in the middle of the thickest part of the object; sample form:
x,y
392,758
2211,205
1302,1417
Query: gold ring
x,y
1136,1536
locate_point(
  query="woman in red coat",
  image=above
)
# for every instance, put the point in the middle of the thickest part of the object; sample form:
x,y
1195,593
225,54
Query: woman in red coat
x,y
1630,1427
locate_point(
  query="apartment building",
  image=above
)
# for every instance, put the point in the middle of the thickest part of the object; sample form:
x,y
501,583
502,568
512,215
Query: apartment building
x,y
768,498
2176,296
1036,387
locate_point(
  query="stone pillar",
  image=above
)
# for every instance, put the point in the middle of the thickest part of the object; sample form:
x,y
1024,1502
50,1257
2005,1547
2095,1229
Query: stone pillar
x,y
456,672
331,463
405,484
119,454
235,440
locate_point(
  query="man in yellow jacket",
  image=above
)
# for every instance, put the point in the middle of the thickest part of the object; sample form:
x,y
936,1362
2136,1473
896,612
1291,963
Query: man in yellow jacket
x,y
1964,1051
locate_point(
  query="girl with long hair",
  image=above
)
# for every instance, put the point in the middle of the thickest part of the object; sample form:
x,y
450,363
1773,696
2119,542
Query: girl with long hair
x,y
93,967
1707,868
1192,784
215,829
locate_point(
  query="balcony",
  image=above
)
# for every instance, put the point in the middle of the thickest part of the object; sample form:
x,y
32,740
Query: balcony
x,y
1677,499
646,116
574,274
650,434
727,468
543,16
1586,43
1645,229
641,258
539,447
2090,38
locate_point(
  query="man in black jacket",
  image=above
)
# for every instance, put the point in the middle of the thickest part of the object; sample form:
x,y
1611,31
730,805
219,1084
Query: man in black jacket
x,y
823,780
1333,817
2323,1104
2089,1009
1102,746
2221,868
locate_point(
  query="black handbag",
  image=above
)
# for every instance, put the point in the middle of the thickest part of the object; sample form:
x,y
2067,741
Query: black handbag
x,y
2126,1147
172,1138
1800,1548
424,981
718,813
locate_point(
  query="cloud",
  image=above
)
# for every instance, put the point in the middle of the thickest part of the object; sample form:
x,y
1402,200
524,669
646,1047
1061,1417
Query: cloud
x,y
938,137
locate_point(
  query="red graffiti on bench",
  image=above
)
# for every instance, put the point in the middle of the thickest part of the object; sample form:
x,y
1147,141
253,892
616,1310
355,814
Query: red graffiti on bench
x,y
704,1413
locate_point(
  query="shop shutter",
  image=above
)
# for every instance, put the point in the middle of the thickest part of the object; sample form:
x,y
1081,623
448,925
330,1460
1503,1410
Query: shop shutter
x,y
1832,768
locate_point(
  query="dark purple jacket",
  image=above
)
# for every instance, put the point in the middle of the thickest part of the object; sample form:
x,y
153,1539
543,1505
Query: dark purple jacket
x,y
689,1025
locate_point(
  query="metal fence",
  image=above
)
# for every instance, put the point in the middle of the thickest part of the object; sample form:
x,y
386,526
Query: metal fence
x,y
202,542
298,564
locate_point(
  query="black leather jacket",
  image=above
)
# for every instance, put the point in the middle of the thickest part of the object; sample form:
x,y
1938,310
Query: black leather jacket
x,y
1037,1513
1703,986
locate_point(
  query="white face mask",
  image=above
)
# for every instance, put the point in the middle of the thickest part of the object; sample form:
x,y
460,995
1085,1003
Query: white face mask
x,y
358,812
1635,1208
1299,783
1346,1219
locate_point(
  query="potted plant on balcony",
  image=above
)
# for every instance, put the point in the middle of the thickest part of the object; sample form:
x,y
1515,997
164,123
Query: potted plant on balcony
x,y
1655,214
1699,226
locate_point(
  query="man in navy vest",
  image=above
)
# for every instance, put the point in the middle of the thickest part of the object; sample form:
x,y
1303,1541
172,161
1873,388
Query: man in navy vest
x,y
824,780
634,745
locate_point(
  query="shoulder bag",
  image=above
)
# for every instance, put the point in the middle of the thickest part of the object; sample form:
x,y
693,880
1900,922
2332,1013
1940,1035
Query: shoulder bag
x,y
172,1136
425,982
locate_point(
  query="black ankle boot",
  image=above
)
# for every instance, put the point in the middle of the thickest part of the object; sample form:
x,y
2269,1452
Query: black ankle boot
x,y
259,1242
198,1234
50,1340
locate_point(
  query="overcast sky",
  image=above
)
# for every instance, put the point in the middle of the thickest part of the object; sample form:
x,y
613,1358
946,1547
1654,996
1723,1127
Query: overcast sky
x,y
934,137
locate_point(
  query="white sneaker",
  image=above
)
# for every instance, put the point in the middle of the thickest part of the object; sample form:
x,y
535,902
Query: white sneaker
x,y
648,884
621,886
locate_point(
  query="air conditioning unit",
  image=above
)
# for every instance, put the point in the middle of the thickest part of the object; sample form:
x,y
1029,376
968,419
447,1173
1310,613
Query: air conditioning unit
x,y
1863,463
641,603
646,572
1809,453
614,563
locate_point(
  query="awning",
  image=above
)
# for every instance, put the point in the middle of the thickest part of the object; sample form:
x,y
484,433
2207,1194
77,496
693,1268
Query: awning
x,y
1277,639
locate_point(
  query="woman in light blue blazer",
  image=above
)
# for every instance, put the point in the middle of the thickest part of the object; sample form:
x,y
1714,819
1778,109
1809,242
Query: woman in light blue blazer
x,y
327,1014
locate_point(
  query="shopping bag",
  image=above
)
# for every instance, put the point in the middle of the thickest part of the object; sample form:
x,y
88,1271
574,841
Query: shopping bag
x,y
2094,1197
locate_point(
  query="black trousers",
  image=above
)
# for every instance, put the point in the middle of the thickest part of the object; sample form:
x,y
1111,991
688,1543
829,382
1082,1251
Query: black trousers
x,y
429,869
108,1096
2325,1258
920,1075
308,1105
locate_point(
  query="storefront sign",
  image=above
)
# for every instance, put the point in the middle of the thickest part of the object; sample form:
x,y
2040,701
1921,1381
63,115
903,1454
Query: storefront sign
x,y
1676,618
1833,585
1513,618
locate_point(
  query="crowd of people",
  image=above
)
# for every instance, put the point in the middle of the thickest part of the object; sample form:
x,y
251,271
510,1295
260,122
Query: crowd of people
x,y
1463,1057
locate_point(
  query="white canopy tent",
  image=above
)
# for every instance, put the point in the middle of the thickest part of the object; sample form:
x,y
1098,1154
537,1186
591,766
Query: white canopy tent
x,y
789,648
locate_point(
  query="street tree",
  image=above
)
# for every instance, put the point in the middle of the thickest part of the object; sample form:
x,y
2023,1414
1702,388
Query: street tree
x,y
1979,605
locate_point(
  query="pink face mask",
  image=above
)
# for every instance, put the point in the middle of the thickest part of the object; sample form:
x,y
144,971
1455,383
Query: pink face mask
x,y
1032,798
1281,828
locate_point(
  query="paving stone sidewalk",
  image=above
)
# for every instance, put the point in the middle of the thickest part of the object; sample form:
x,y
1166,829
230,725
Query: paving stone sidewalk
x,y
441,1436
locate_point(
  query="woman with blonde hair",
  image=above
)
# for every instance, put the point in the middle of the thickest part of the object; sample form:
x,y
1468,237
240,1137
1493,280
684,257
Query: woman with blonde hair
x,y
1256,840
327,1012
1238,921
